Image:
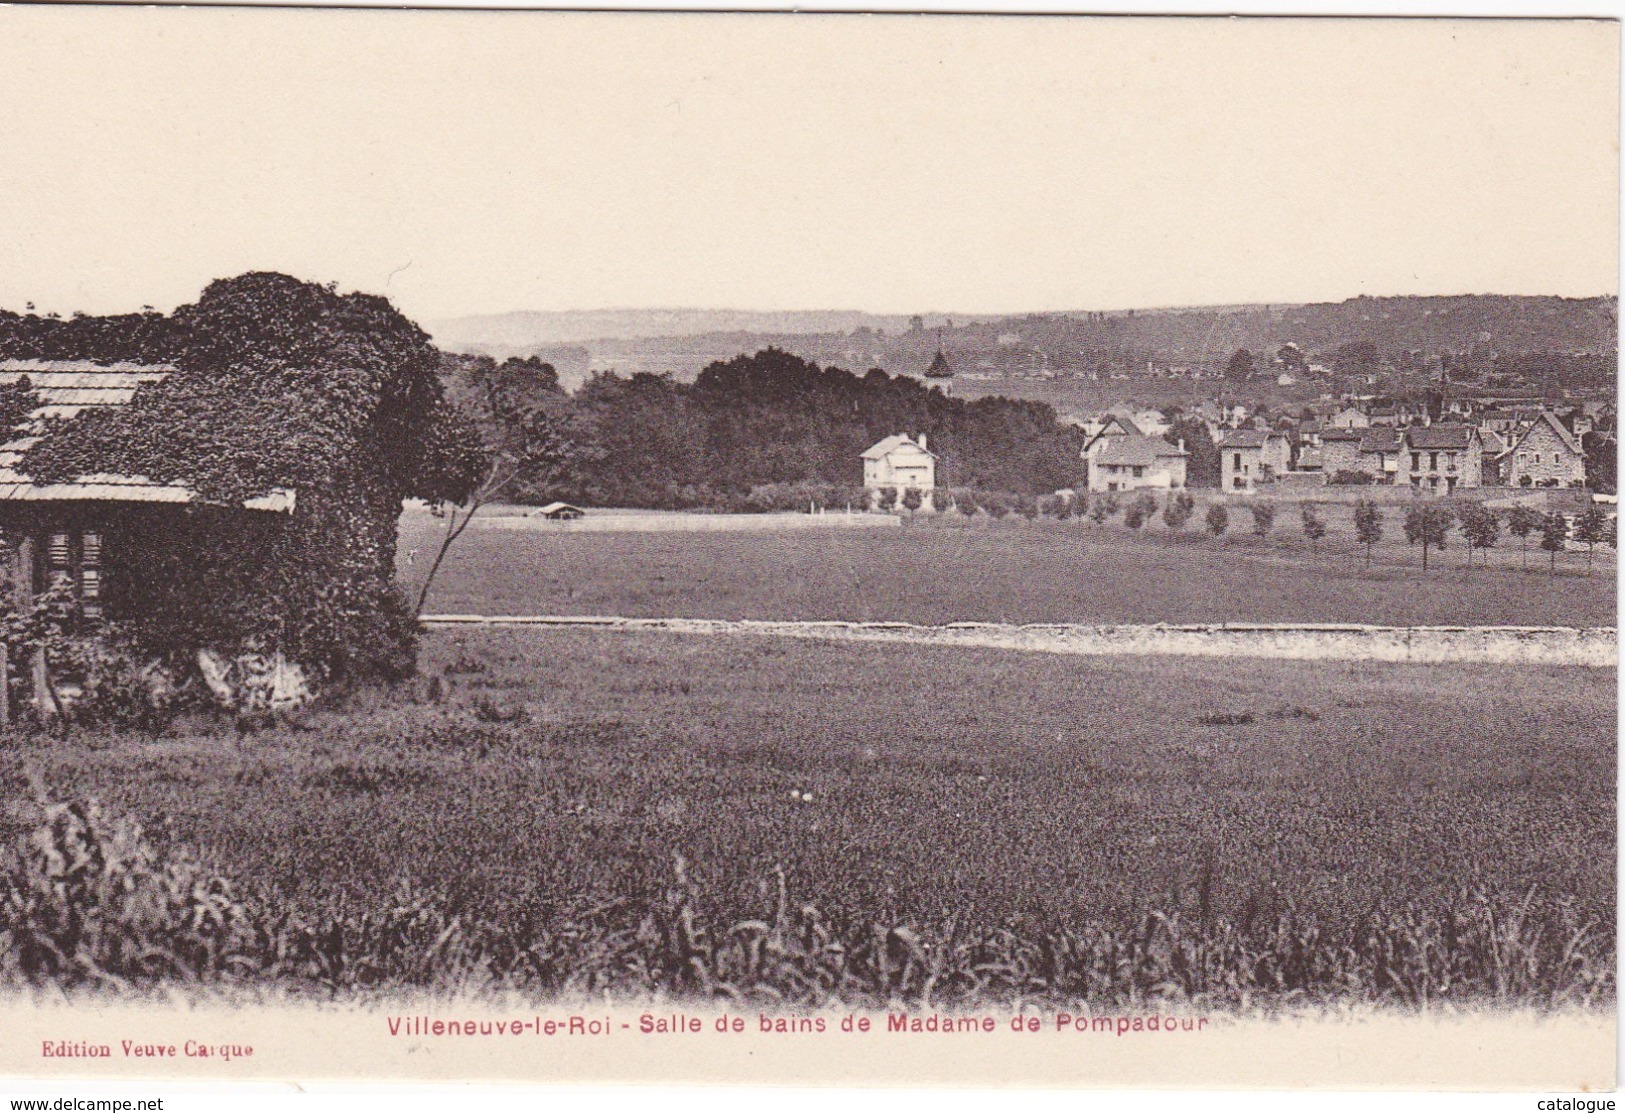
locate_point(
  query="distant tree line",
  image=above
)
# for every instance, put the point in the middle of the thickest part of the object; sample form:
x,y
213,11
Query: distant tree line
x,y
768,420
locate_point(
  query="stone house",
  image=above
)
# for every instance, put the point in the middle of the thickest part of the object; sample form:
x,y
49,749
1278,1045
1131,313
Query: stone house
x,y
1443,457
1380,448
1544,454
1339,451
1248,457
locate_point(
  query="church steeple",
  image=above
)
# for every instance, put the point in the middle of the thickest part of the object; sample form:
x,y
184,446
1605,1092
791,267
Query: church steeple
x,y
940,368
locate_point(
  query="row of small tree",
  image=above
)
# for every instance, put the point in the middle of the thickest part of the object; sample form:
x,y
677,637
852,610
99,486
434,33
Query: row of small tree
x,y
1429,525
1426,524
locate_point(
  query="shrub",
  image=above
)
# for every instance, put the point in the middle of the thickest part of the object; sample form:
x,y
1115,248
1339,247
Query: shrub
x,y
1428,524
1139,509
1344,477
1177,511
1479,525
1263,517
966,501
118,686
1367,526
1218,519
1314,526
1554,536
940,500
89,902
778,498
913,499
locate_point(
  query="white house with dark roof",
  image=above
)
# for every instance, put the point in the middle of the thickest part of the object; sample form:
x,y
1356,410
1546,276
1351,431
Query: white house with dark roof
x,y
1131,461
899,462
1096,433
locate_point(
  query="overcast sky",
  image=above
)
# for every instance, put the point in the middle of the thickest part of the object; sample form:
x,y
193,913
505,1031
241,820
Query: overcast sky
x,y
481,162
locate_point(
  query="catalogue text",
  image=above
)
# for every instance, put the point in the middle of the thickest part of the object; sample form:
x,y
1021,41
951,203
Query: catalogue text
x,y
959,550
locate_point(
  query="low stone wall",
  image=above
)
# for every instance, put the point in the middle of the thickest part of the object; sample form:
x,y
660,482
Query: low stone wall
x,y
1531,645
1344,493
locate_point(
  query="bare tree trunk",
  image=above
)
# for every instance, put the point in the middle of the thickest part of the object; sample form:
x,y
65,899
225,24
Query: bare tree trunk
x,y
5,688
454,530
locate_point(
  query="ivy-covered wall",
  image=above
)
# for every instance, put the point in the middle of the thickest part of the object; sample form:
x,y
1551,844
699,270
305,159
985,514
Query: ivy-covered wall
x,y
278,383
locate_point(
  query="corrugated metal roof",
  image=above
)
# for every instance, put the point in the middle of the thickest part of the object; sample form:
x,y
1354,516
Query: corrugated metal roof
x,y
51,376
93,492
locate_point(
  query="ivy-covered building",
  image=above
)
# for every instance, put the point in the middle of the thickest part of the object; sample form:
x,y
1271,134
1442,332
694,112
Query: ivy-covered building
x,y
240,494
59,530
76,534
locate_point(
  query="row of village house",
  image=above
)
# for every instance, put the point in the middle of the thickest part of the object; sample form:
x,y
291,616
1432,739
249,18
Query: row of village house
x,y
1441,457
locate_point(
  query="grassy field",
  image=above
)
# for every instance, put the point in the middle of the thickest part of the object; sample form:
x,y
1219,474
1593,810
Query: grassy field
x,y
945,791
936,571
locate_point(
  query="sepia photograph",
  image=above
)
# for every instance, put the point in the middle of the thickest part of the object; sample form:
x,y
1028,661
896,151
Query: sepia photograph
x,y
909,549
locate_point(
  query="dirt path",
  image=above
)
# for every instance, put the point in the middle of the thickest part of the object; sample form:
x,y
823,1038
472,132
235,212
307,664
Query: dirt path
x,y
1530,645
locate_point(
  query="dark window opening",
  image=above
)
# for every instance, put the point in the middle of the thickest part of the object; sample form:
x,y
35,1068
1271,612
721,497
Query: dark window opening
x,y
77,555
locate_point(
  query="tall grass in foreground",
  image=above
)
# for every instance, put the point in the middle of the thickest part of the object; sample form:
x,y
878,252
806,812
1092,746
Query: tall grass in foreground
x,y
88,903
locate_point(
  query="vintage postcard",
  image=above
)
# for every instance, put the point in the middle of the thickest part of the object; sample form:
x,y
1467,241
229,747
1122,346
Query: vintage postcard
x,y
808,549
